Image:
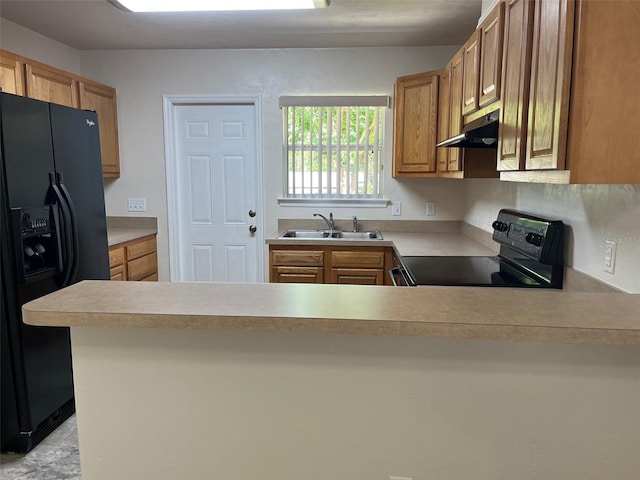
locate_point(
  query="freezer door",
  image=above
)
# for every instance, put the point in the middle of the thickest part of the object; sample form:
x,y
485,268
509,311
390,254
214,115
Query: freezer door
x,y
27,153
76,146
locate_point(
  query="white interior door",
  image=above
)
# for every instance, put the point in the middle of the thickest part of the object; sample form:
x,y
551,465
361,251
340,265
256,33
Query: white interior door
x,y
216,193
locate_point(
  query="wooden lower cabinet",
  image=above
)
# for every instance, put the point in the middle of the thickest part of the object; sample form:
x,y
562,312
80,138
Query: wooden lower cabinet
x,y
330,264
293,265
116,263
135,260
358,267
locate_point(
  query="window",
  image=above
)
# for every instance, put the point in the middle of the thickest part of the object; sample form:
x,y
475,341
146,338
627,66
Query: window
x,y
333,146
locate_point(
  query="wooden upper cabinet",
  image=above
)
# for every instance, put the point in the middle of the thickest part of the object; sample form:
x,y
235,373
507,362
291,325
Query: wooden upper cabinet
x,y
450,114
51,85
455,109
550,84
516,70
604,114
102,99
11,73
444,109
415,122
491,40
471,59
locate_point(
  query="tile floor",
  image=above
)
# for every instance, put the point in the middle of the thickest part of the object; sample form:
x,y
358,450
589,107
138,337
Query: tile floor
x,y
55,458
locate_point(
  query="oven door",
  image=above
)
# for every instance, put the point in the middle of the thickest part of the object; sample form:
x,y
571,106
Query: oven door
x,y
400,277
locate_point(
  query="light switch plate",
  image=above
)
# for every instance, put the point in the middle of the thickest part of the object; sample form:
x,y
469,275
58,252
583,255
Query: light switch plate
x,y
396,209
610,256
431,209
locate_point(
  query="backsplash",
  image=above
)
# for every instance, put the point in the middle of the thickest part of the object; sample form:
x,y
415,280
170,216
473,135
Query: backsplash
x,y
409,226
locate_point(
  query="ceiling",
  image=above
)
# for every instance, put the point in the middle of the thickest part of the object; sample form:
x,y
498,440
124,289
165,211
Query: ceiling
x,y
98,25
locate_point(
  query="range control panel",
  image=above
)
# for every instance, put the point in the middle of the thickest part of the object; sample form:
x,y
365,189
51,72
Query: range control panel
x,y
536,237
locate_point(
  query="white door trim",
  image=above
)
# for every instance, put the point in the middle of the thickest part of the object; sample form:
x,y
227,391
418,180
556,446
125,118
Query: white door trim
x,y
169,102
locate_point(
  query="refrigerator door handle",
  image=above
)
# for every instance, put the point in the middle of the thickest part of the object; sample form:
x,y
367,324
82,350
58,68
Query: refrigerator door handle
x,y
65,231
74,227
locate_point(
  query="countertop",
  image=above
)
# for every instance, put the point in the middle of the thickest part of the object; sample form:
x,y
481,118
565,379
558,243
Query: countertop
x,y
452,312
125,229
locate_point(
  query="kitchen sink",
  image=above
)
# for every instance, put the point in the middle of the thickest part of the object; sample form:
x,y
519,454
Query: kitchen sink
x,y
328,235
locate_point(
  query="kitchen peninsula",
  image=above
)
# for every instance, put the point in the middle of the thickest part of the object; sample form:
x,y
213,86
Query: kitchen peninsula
x,y
271,381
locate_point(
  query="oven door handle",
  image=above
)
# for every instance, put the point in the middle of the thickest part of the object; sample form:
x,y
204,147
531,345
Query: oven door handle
x,y
399,270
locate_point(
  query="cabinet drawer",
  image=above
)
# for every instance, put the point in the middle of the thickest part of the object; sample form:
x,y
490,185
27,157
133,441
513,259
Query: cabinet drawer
x,y
357,276
116,256
357,259
118,273
298,275
143,247
142,267
298,257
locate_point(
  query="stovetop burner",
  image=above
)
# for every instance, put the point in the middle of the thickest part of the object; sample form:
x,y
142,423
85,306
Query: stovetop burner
x,y
531,255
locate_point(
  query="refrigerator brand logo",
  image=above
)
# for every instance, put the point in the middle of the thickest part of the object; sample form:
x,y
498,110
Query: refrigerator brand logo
x,y
91,123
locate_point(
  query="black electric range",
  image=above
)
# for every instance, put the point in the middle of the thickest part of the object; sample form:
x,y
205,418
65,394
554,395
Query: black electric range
x,y
531,255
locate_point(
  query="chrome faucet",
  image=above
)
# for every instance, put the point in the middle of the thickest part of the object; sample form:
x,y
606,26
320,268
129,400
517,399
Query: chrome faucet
x,y
355,224
329,221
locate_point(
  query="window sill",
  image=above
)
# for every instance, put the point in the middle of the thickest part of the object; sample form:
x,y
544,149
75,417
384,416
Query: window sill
x,y
334,202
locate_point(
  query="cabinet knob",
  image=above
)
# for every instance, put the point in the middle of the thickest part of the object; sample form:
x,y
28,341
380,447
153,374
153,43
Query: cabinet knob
x,y
253,229
252,213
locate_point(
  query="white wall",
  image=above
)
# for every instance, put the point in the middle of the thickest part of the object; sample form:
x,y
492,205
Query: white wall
x,y
157,404
143,77
22,41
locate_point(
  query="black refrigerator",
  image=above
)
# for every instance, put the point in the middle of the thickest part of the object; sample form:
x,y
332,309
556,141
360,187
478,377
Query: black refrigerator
x,y
54,233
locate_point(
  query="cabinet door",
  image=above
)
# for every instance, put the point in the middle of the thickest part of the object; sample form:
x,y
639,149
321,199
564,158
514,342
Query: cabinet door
x,y
118,273
116,256
11,73
51,85
471,54
102,99
604,113
444,111
550,83
455,112
415,132
297,275
491,33
357,276
516,68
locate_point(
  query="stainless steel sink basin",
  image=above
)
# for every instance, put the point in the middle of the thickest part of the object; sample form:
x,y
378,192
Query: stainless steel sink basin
x,y
328,235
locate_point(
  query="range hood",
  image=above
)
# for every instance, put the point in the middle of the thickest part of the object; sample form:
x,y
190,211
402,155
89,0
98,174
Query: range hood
x,y
481,133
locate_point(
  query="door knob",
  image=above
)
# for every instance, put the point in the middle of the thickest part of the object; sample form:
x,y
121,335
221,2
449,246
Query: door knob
x,y
253,229
252,213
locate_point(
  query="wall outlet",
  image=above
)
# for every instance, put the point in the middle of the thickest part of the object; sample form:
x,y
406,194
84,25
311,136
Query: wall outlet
x,y
396,209
610,256
431,209
137,205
